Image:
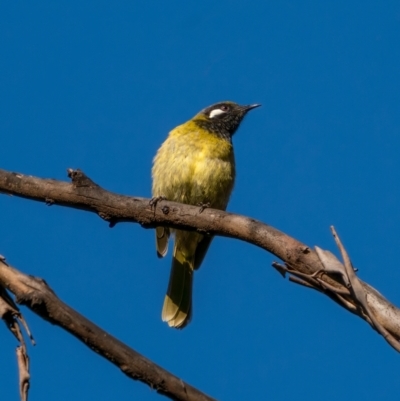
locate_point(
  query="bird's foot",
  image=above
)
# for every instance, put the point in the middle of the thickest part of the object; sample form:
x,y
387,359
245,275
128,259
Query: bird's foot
x,y
153,201
203,206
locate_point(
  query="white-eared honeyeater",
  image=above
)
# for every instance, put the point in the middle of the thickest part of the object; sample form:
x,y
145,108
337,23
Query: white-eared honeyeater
x,y
195,165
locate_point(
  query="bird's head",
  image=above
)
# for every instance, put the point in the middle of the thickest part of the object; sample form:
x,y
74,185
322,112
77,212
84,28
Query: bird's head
x,y
223,118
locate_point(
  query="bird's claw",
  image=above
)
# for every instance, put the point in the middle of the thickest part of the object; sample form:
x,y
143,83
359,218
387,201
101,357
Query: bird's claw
x,y
203,206
153,201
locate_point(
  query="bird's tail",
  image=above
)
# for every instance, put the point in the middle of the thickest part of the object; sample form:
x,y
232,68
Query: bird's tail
x,y
177,309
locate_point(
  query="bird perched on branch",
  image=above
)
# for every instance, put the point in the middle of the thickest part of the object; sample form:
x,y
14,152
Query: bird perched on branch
x,y
195,165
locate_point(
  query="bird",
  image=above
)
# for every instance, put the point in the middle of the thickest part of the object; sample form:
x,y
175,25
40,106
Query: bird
x,y
195,165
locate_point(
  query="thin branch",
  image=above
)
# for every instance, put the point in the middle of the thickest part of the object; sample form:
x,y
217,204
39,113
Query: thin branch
x,y
23,368
41,299
12,317
84,194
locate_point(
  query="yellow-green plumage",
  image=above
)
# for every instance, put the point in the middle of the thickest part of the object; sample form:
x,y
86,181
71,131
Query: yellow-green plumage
x,y
195,165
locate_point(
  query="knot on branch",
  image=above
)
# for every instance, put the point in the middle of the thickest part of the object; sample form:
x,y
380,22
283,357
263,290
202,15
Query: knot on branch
x,y
165,209
80,179
110,219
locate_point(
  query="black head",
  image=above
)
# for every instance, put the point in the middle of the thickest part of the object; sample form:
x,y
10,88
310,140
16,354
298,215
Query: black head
x,y
222,119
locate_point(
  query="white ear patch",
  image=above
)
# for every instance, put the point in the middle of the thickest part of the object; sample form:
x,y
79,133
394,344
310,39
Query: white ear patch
x,y
216,112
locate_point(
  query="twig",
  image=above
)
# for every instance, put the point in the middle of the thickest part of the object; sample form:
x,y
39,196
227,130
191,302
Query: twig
x,y
359,294
23,369
11,315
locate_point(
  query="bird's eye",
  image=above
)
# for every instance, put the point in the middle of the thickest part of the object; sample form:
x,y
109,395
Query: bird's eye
x,y
224,107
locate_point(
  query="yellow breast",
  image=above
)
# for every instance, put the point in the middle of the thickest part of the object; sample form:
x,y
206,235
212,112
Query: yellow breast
x,y
194,166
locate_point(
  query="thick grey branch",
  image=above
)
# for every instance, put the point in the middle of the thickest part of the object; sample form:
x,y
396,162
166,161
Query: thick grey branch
x,y
84,194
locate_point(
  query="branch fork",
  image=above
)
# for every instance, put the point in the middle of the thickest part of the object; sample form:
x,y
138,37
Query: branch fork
x,y
351,293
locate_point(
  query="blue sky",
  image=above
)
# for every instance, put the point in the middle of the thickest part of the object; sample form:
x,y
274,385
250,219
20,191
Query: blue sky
x,y
98,85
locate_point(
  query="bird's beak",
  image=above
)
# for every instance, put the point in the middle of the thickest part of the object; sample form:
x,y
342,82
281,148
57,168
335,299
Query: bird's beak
x,y
250,106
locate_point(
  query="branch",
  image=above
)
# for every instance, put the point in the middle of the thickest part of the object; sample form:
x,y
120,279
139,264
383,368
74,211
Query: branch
x,y
13,319
41,299
300,260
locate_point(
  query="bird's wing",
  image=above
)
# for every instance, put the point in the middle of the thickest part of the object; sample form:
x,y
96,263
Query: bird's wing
x,y
162,236
201,250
